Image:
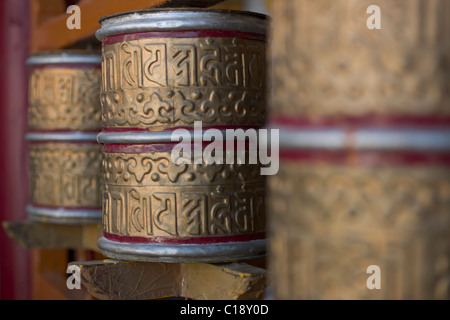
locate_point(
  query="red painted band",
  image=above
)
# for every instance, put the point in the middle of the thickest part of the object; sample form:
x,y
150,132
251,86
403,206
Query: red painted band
x,y
366,158
363,121
185,34
137,148
185,240
65,208
167,146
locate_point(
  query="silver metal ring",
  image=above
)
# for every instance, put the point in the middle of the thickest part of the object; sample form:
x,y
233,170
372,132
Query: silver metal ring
x,y
181,19
64,216
61,136
365,138
63,58
319,139
410,139
134,137
147,137
217,252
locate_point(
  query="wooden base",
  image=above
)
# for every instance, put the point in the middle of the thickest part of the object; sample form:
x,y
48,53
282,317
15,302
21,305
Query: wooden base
x,y
114,279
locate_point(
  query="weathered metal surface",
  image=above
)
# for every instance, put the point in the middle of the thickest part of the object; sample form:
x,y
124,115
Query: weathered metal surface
x,y
331,66
155,81
63,119
65,174
165,69
64,92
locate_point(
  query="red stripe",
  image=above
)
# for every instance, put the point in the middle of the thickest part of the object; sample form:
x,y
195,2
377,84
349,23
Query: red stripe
x,y
65,208
368,120
137,148
185,240
167,146
366,158
184,34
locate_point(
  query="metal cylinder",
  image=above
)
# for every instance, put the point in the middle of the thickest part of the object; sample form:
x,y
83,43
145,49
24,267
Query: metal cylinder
x,y
165,69
64,120
360,207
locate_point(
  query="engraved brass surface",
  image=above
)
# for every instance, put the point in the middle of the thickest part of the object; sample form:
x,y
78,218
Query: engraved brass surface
x,y
65,174
326,62
155,83
64,99
147,195
156,77
328,223
388,205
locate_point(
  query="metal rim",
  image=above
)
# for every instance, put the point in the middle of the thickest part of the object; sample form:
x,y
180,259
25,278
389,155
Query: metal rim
x,y
61,136
330,139
217,252
365,138
320,139
181,19
141,137
64,216
66,57
159,136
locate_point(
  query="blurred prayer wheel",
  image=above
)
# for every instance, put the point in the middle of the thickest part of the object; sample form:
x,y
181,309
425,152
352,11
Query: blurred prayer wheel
x,y
64,120
162,70
364,118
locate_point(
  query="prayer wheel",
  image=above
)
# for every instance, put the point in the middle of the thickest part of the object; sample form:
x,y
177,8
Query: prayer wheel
x,y
165,70
360,208
64,120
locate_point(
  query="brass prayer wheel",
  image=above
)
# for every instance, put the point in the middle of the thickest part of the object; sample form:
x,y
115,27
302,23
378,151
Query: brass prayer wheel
x,y
64,120
364,174
162,70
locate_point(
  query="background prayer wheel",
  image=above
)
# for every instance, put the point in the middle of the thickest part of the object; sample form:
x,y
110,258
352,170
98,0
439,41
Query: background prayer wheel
x,y
64,120
364,180
165,69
